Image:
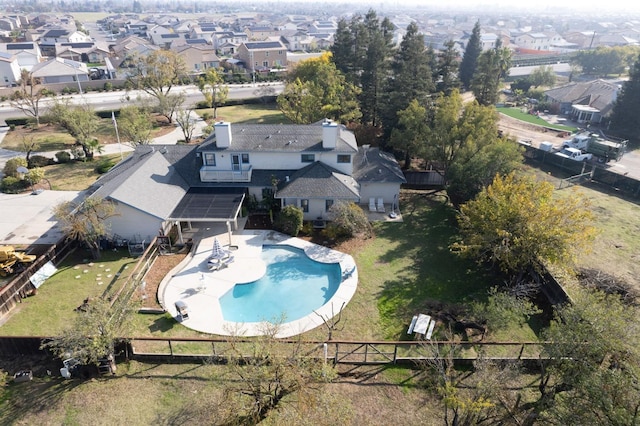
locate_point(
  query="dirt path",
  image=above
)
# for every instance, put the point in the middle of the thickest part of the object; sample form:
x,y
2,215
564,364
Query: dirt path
x,y
520,130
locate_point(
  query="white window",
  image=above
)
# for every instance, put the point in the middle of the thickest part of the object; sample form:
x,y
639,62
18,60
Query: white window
x,y
209,159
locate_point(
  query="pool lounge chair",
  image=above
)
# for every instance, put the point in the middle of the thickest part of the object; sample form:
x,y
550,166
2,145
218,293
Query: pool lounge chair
x,y
380,205
372,204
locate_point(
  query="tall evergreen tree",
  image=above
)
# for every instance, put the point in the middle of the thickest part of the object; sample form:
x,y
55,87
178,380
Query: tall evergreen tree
x,y
376,66
447,69
470,57
342,50
493,65
624,120
411,78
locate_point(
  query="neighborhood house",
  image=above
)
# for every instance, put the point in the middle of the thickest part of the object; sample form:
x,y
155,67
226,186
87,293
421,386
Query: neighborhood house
x,y
309,166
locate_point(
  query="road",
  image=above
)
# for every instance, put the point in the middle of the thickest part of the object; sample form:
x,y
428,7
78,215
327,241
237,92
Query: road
x,y
105,101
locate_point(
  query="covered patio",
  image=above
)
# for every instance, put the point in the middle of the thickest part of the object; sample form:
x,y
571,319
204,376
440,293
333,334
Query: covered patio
x,y
208,204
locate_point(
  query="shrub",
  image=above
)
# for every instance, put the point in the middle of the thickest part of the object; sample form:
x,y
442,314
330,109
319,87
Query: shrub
x,y
63,157
289,221
206,116
11,184
350,220
207,130
35,175
108,86
12,126
17,121
39,161
12,164
104,166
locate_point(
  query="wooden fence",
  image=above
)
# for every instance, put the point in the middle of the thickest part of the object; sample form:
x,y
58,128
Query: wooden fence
x,y
21,286
427,179
410,352
197,350
617,182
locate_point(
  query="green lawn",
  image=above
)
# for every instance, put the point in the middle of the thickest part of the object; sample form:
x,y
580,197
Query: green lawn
x,y
78,277
249,114
517,113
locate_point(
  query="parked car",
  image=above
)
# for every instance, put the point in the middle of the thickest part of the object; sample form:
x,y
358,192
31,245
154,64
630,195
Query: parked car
x,y
574,154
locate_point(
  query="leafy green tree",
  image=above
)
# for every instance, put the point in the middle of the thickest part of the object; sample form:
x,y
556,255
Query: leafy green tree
x,y
470,57
601,61
411,133
212,87
317,90
478,164
80,121
28,95
135,125
543,76
411,76
156,74
85,221
516,224
448,63
463,144
492,66
593,350
624,119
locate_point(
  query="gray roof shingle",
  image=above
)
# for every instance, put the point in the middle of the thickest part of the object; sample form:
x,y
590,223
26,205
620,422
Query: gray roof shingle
x,y
281,138
317,180
373,165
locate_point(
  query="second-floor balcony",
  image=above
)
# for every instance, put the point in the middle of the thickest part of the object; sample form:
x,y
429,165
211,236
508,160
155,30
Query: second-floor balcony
x,y
213,174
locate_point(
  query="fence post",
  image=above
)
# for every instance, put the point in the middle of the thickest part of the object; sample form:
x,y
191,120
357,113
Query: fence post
x,y
170,348
395,353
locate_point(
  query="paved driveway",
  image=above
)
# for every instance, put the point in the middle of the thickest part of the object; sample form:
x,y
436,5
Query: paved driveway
x,y
27,219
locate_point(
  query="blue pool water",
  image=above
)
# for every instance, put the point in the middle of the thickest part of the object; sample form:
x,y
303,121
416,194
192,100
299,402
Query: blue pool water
x,y
293,287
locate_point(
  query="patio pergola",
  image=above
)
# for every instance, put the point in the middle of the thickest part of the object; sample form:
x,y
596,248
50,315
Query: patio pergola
x,y
209,204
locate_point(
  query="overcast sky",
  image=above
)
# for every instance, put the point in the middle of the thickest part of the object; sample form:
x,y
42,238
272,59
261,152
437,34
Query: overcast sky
x,y
620,7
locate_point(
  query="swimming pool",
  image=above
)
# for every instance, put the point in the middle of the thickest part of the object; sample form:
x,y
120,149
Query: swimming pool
x,y
292,288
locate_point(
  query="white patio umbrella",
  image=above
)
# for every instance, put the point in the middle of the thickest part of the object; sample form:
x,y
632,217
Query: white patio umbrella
x,y
218,251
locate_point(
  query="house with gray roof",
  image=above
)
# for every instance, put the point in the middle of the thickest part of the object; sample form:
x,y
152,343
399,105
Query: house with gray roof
x,y
27,53
584,102
310,166
58,70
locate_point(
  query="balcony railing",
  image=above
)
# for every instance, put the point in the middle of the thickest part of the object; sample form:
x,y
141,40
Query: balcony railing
x,y
211,174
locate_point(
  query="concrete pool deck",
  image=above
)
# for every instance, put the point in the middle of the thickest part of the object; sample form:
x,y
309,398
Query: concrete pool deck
x,y
200,288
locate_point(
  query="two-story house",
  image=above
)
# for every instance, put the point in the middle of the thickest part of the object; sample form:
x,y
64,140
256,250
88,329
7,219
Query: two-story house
x,y
310,166
198,58
27,53
9,70
263,55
